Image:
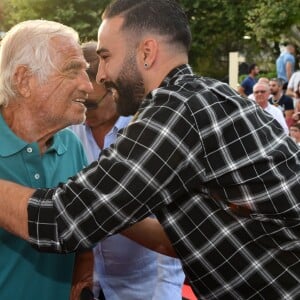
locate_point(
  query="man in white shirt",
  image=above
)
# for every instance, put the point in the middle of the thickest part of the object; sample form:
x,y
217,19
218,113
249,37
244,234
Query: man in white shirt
x,y
293,91
261,93
293,84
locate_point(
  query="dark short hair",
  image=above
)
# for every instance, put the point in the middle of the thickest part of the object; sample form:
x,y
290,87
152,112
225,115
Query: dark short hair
x,y
280,81
90,55
164,17
251,67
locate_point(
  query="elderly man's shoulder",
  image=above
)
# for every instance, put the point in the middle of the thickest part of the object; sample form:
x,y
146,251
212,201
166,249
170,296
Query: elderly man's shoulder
x,y
68,137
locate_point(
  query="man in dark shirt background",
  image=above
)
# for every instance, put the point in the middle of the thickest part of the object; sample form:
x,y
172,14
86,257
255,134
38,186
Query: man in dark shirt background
x,y
281,100
246,87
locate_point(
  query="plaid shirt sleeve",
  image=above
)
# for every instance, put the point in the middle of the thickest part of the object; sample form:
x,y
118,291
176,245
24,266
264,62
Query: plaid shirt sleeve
x,y
218,172
124,186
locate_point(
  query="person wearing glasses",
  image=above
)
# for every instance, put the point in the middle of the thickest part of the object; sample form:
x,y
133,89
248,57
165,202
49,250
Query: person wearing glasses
x,y
122,268
261,92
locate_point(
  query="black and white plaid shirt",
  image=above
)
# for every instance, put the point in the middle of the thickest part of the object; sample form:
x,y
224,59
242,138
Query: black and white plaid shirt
x,y
216,170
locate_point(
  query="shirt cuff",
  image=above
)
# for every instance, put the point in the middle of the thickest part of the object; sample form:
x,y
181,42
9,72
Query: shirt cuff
x,y
42,226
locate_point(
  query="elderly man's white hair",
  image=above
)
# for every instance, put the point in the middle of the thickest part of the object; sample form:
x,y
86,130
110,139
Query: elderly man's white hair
x,y
27,44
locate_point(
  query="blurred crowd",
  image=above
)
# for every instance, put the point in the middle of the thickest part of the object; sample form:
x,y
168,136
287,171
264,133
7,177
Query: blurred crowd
x,y
279,96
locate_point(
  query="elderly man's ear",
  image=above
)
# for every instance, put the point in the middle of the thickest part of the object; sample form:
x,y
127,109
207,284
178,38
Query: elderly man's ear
x,y
22,78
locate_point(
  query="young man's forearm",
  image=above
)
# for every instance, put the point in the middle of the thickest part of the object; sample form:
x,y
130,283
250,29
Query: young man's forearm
x,y
14,218
150,234
82,273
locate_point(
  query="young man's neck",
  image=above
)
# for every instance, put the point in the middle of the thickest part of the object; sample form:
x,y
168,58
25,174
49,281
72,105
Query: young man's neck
x,y
277,96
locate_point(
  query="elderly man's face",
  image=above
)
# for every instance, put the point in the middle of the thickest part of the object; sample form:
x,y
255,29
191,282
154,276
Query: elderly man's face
x,y
261,94
59,101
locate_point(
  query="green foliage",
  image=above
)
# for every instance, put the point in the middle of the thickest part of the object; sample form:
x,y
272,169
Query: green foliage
x,y
218,27
272,20
268,75
82,15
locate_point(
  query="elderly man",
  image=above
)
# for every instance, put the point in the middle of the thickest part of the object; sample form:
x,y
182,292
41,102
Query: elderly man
x,y
42,86
261,92
218,172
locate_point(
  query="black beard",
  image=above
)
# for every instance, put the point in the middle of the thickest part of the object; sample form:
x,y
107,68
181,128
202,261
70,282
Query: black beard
x,y
130,96
130,88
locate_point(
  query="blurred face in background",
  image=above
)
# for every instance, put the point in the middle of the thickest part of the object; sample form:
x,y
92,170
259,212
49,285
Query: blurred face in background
x,y
101,108
274,87
261,93
295,133
255,71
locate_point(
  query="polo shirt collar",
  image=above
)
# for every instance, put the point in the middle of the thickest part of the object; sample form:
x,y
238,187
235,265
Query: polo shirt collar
x,y
11,144
58,144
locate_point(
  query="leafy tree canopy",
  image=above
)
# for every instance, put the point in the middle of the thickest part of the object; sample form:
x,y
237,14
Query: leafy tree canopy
x,y
83,15
218,26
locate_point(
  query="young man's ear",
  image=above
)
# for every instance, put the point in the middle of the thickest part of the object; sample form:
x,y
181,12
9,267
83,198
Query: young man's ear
x,y
21,80
149,49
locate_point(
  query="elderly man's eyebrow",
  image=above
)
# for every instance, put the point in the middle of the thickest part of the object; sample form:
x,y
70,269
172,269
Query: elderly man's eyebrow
x,y
75,65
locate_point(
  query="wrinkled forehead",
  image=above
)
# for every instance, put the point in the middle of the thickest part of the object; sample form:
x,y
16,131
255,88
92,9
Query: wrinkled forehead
x,y
259,87
62,46
67,53
63,43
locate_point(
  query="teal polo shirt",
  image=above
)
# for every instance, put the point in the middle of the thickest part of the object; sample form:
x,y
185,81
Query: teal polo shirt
x,y
26,273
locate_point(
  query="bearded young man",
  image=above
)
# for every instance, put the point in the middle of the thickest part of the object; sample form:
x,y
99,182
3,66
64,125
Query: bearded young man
x,y
216,170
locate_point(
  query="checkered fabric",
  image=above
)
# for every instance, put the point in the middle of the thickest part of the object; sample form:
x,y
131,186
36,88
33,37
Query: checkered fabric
x,y
219,174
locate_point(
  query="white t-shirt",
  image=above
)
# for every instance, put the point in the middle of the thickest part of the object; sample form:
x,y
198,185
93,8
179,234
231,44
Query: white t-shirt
x,y
294,81
278,115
